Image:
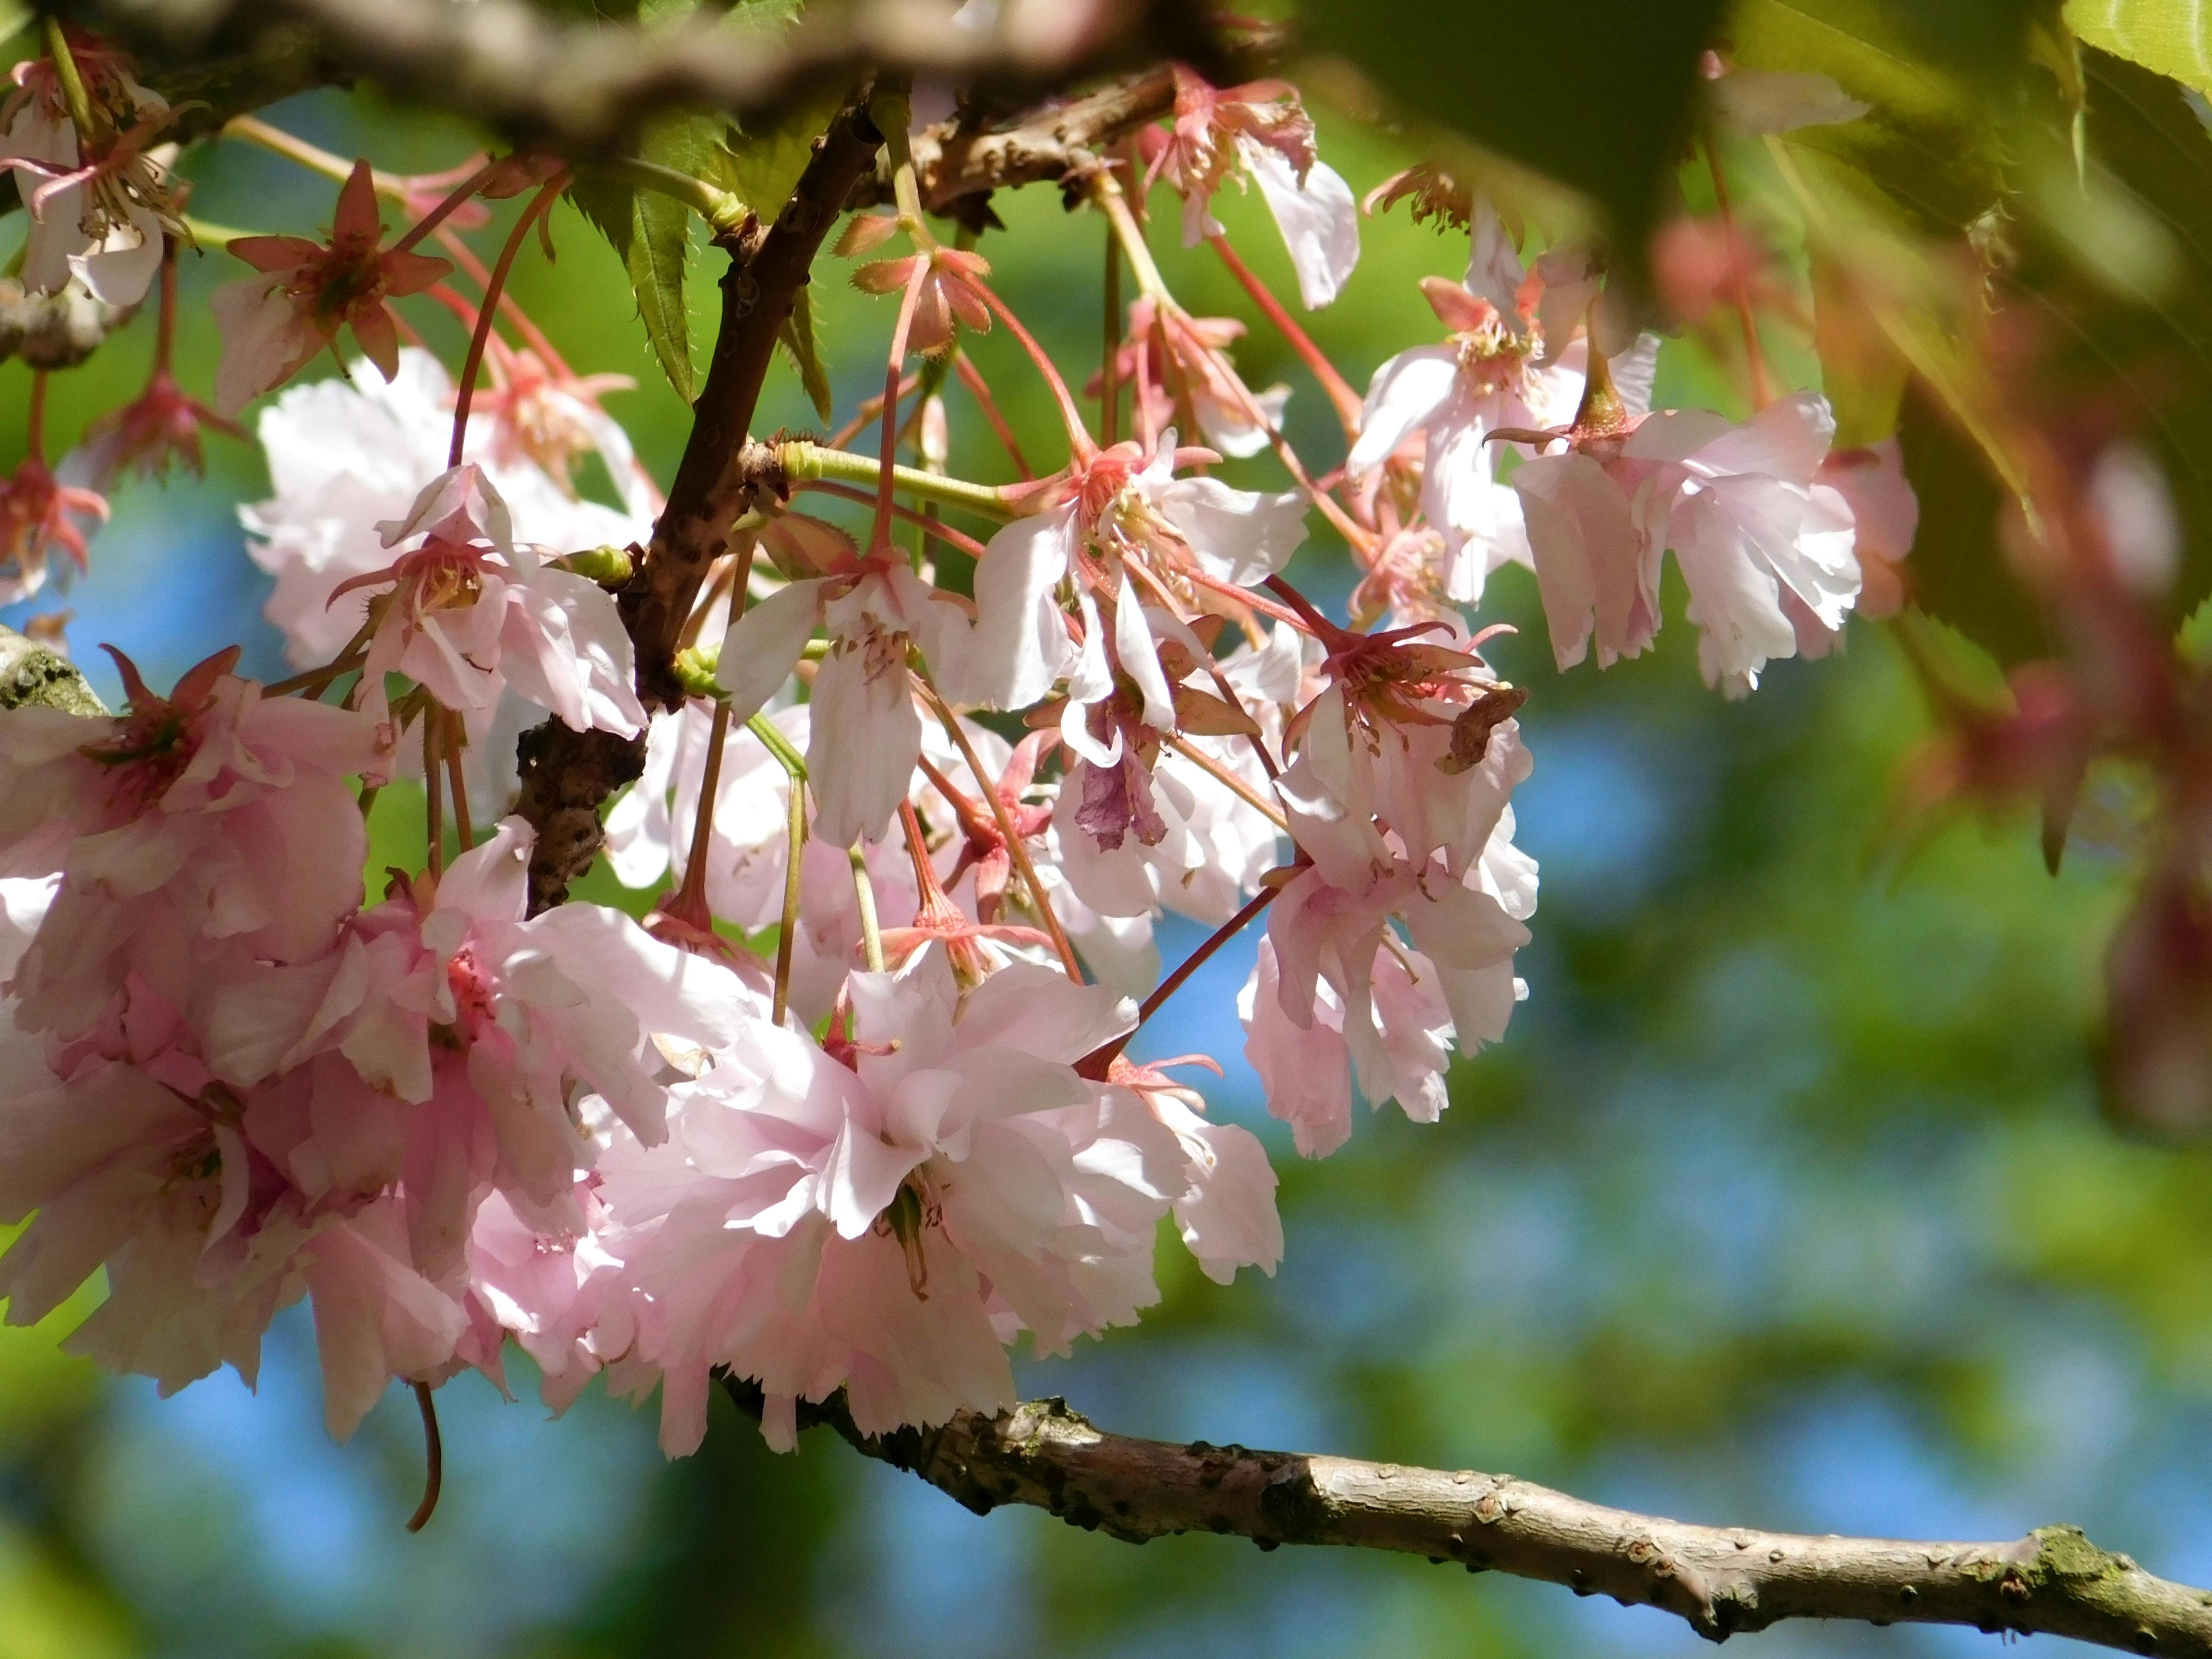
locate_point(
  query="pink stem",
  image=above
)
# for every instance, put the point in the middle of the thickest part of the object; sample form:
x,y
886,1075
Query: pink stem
x,y
492,291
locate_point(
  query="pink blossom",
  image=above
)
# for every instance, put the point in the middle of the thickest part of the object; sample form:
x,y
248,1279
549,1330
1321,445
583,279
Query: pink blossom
x,y
99,209
1226,1214
1123,508
1885,515
1485,377
866,733
39,513
469,1035
346,455
213,822
883,1215
1172,361
1261,131
161,424
196,1235
469,613
274,324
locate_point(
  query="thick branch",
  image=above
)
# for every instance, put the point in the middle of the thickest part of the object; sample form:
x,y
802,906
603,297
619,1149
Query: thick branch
x,y
765,273
566,775
1721,1579
584,87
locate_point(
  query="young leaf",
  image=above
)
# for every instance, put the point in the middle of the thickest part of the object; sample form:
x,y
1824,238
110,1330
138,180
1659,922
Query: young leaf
x,y
762,166
652,233
1600,97
798,338
2173,40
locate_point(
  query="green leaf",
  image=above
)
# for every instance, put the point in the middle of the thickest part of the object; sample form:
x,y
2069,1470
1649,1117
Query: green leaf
x,y
652,233
1600,94
1931,153
2165,35
760,166
1959,572
2120,271
797,337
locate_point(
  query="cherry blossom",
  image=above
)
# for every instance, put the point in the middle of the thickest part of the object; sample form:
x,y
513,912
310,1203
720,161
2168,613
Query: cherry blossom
x,y
346,455
866,733
468,613
212,820
1455,396
100,209
883,1213
1261,131
274,324
38,515
1123,507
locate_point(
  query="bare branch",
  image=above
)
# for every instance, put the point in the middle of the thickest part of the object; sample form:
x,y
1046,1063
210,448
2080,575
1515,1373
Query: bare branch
x,y
1722,1580
583,87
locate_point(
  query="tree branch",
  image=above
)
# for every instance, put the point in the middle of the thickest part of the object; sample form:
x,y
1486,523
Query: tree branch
x,y
584,87
566,775
1722,1580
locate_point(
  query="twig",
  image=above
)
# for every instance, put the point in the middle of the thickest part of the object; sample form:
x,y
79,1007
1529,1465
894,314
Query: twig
x,y
1722,1580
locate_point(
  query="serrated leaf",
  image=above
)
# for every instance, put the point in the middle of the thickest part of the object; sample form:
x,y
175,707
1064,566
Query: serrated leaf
x,y
1930,150
761,166
652,234
798,338
1597,96
2164,35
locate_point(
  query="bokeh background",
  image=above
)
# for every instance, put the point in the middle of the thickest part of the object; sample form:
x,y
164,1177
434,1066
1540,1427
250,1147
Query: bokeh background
x,y
1784,1202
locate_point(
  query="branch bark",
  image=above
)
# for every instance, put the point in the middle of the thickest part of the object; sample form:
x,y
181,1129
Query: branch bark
x,y
585,87
1722,1580
567,774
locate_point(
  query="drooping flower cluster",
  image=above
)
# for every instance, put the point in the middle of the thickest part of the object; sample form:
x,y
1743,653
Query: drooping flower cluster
x,y
853,1108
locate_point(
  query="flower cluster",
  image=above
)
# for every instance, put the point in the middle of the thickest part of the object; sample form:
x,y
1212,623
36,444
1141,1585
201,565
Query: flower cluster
x,y
851,1109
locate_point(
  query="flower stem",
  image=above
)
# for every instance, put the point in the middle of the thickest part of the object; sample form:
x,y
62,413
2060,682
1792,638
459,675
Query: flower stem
x,y
1762,390
1016,849
722,210
1106,196
1198,959
879,533
65,70
972,378
165,334
936,528
434,1452
1347,402
438,214
864,895
806,463
35,439
455,741
693,893
1109,374
434,797
1227,778
794,769
538,204
1079,436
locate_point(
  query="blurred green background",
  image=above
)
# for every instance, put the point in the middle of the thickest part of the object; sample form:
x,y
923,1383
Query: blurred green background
x,y
1784,1202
